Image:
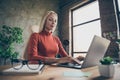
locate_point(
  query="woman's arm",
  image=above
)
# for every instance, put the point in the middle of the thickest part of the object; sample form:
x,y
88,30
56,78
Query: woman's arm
x,y
65,57
68,59
62,51
33,48
33,52
49,60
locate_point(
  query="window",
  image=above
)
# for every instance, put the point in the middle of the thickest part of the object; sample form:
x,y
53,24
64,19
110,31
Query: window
x,y
118,5
85,23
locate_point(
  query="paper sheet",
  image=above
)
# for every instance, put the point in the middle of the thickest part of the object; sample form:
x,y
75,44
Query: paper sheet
x,y
77,74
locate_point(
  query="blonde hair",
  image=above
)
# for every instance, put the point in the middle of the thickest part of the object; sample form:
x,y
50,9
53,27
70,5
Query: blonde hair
x,y
42,24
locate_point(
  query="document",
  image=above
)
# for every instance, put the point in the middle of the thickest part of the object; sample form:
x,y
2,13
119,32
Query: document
x,y
23,70
77,74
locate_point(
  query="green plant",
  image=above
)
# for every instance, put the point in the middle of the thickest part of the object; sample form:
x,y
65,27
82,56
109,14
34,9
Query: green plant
x,y
9,36
106,60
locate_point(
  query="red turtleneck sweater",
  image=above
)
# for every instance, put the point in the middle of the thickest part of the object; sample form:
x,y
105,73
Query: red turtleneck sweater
x,y
43,45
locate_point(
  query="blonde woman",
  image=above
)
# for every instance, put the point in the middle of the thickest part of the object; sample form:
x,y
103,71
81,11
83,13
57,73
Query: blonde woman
x,y
45,46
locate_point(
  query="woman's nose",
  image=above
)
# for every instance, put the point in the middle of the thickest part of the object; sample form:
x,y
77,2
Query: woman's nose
x,y
53,22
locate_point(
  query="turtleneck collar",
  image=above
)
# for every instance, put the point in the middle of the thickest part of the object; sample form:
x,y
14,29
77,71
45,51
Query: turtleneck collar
x,y
46,33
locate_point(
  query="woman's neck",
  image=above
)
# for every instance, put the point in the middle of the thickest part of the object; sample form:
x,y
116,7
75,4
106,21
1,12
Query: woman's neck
x,y
49,31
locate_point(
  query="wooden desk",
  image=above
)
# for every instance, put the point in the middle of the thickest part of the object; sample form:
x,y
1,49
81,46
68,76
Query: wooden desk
x,y
56,73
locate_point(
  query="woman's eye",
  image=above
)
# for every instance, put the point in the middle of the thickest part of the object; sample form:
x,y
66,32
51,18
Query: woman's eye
x,y
50,19
55,20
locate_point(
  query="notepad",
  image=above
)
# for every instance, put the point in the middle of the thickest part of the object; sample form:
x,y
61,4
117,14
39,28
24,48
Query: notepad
x,y
23,70
76,74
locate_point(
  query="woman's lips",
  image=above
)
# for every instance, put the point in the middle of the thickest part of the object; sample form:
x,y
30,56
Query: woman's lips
x,y
52,26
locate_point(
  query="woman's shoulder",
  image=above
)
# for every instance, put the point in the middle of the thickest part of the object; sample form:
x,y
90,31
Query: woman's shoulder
x,y
35,34
56,38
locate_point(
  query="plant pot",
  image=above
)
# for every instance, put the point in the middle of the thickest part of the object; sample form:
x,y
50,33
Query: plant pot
x,y
107,70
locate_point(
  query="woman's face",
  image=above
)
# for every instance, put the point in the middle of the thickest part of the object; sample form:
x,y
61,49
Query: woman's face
x,y
51,22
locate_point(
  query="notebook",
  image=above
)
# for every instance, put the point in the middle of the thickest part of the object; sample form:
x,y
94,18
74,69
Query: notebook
x,y
23,70
96,52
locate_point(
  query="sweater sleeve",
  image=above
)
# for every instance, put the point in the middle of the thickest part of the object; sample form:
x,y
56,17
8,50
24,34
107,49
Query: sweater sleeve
x,y
62,51
33,48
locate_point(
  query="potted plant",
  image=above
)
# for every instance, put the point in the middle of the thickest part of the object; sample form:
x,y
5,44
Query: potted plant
x,y
9,36
106,68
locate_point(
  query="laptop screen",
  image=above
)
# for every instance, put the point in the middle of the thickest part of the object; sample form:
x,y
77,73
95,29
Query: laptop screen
x,y
96,51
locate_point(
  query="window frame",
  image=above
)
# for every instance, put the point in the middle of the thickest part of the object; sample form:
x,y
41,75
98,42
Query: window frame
x,y
72,26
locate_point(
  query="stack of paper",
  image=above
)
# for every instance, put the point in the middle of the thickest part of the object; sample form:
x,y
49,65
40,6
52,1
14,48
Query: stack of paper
x,y
23,70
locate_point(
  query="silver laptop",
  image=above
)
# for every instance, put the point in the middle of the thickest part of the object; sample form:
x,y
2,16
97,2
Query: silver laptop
x,y
24,70
96,51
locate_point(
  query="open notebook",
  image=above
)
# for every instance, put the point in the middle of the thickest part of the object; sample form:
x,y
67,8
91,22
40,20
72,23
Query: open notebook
x,y
23,70
96,52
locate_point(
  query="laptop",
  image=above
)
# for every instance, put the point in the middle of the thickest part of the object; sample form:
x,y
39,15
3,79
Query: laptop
x,y
96,52
24,70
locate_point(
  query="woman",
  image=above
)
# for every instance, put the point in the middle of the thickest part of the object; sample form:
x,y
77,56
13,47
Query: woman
x,y
45,46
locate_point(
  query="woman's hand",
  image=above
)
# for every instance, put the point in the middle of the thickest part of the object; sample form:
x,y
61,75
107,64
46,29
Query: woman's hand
x,y
49,60
80,58
71,60
68,59
64,60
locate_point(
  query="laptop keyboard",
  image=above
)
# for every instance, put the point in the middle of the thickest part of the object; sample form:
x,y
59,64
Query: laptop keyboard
x,y
70,65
